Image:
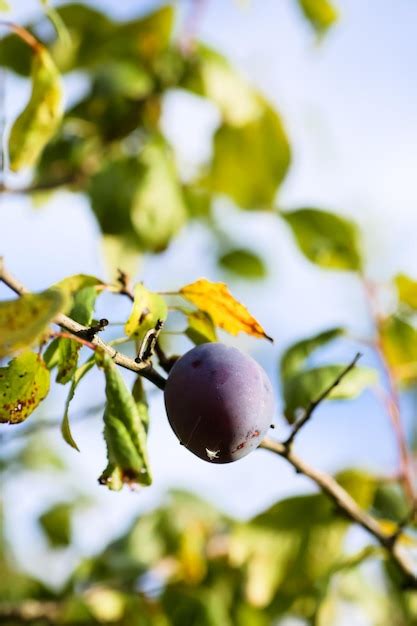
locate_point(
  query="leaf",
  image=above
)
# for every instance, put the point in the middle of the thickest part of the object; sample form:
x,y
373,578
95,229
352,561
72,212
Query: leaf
x,y
303,388
140,198
326,239
56,524
322,14
82,312
399,345
24,383
41,117
407,291
148,308
295,357
200,328
226,312
212,76
124,433
71,284
139,396
4,5
390,502
25,320
79,373
244,263
250,161
158,212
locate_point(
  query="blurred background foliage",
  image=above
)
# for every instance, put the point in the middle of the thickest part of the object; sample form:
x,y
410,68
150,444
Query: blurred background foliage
x,y
185,562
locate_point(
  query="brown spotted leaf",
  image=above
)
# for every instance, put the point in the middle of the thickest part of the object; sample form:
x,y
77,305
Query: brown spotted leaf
x,y
225,311
24,383
24,320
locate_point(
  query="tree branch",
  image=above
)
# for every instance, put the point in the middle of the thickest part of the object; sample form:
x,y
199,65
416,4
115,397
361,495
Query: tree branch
x,y
349,507
144,369
315,403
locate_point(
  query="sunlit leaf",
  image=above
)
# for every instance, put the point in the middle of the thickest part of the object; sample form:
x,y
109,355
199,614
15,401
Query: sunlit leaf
x,y
41,117
244,263
295,357
212,76
124,433
250,161
322,14
79,373
56,524
200,328
148,308
72,284
407,291
226,312
4,5
24,383
399,344
326,239
305,387
23,321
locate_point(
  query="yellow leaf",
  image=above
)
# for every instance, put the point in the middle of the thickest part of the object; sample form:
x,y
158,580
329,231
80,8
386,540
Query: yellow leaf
x,y
225,311
41,117
23,321
24,383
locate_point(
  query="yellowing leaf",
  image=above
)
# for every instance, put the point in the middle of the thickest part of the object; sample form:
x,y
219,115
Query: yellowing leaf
x,y
225,311
41,117
320,13
407,290
23,321
399,344
147,309
24,383
72,284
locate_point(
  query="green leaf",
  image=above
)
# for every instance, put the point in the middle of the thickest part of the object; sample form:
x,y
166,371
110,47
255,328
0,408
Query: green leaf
x,y
250,161
72,284
244,263
211,75
305,387
200,328
124,433
41,117
326,239
56,524
399,344
197,200
82,312
139,396
322,14
407,291
140,198
79,373
295,357
24,383
158,211
148,308
390,502
24,321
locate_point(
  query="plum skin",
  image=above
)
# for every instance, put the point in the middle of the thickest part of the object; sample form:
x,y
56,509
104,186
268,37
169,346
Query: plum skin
x,y
219,402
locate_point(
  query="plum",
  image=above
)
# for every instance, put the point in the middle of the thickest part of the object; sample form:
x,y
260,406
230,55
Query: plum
x,y
219,402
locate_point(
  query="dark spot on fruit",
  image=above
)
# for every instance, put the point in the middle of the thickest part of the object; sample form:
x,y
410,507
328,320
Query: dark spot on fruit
x,y
255,434
196,363
241,445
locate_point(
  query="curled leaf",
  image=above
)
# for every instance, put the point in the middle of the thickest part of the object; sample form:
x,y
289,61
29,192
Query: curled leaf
x,y
24,383
148,308
124,433
41,117
226,312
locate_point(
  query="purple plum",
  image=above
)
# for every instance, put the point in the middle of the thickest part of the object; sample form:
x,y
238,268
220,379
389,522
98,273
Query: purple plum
x,y
219,402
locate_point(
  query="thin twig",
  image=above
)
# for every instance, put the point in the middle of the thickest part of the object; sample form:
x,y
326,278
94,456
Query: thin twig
x,y
166,362
144,369
315,403
391,399
349,508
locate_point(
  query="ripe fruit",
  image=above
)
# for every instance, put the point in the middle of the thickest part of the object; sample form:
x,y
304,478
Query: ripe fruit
x,y
219,402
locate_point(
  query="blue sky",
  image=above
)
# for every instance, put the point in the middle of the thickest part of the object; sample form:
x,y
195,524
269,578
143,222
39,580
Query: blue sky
x,y
350,108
